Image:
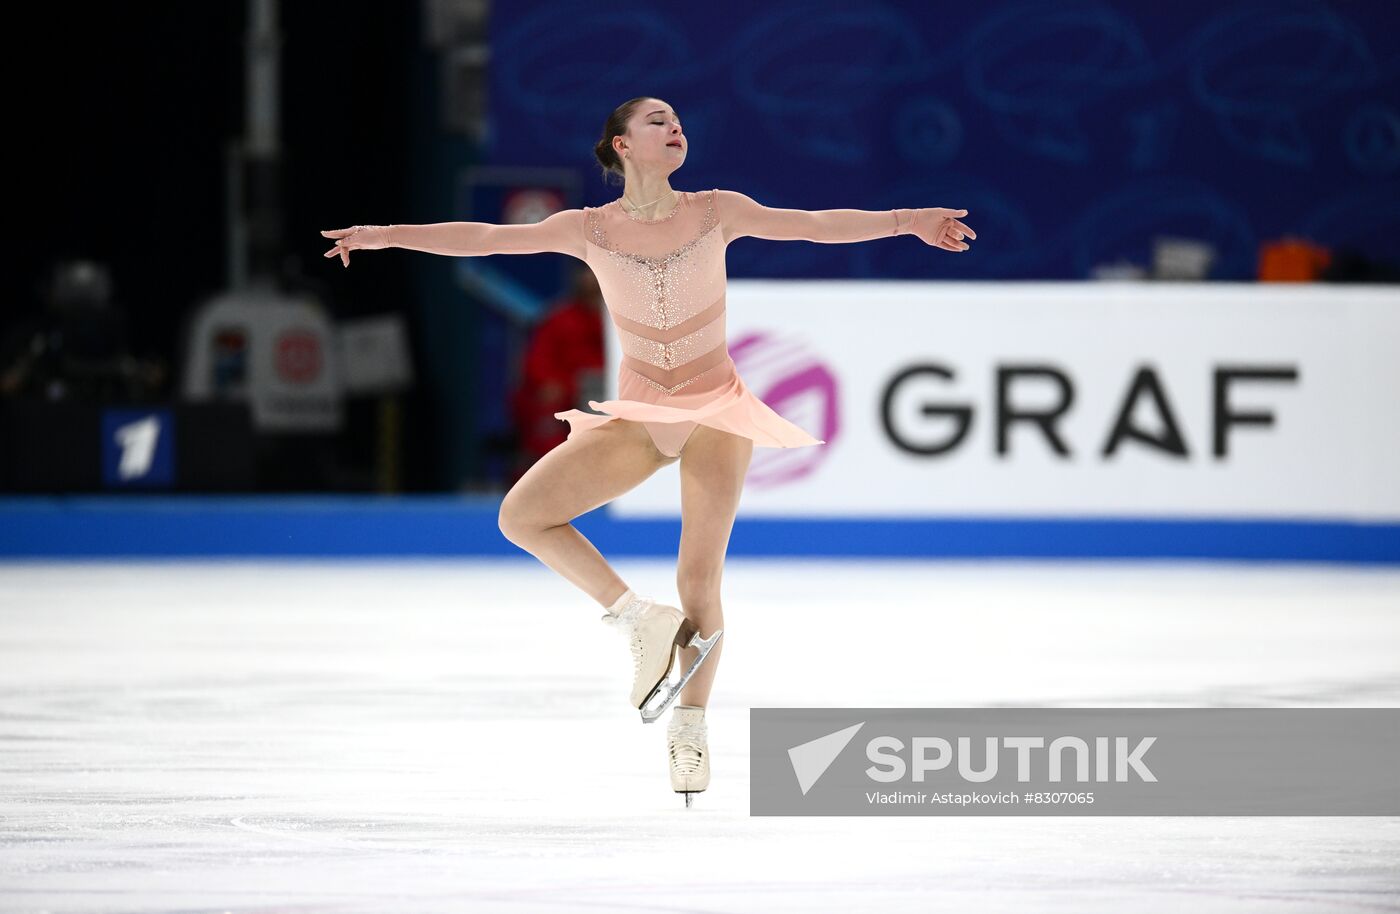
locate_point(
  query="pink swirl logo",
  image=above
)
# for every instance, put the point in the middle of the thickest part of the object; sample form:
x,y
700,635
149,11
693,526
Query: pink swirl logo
x,y
796,385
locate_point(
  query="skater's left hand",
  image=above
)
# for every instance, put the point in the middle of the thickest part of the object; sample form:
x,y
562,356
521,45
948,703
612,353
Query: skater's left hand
x,y
941,228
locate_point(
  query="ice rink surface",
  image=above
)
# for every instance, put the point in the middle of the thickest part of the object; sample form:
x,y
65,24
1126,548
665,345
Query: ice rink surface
x,y
448,736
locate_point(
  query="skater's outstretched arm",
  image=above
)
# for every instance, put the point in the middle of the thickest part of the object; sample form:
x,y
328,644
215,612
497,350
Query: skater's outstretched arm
x,y
743,216
561,233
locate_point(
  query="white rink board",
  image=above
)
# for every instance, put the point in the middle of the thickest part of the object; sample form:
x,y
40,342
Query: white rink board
x,y
1328,451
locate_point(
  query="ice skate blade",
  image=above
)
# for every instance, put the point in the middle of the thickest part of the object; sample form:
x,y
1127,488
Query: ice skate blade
x,y
667,691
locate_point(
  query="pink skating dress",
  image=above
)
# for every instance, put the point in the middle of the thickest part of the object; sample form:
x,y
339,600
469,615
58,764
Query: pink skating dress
x,y
664,285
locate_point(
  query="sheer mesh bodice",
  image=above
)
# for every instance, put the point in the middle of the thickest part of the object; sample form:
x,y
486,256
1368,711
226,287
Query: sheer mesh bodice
x,y
663,282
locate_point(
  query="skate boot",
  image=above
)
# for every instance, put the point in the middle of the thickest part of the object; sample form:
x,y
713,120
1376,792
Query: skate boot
x,y
655,633
689,753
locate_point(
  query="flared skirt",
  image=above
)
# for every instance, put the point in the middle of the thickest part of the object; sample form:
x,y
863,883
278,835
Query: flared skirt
x,y
727,405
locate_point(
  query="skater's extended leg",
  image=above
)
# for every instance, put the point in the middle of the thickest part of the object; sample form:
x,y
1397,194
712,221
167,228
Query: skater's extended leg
x,y
713,466
581,474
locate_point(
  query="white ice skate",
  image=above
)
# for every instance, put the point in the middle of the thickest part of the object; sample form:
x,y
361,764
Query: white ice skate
x,y
655,633
689,753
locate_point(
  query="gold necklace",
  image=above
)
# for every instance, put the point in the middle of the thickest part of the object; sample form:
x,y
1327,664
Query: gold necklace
x,y
657,200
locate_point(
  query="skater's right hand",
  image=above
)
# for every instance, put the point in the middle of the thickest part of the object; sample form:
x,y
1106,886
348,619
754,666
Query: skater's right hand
x,y
357,238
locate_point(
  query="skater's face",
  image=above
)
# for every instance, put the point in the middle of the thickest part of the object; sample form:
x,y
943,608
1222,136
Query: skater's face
x,y
654,140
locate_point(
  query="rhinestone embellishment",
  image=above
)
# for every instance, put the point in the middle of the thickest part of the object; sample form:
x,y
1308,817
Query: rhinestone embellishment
x,y
665,292
676,353
657,277
675,387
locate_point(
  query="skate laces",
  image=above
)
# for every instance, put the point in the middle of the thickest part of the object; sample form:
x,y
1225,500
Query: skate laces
x,y
687,745
637,652
626,622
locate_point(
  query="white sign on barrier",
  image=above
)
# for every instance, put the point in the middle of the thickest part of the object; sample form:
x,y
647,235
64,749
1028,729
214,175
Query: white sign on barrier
x,y
271,350
1167,400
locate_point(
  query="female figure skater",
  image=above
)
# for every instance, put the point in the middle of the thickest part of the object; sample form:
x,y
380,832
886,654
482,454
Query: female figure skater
x,y
658,254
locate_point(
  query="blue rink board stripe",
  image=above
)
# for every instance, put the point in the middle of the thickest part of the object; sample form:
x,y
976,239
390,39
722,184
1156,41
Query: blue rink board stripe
x,y
98,526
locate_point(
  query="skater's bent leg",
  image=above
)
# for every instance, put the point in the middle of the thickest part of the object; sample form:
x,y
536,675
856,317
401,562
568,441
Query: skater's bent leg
x,y
581,474
713,466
